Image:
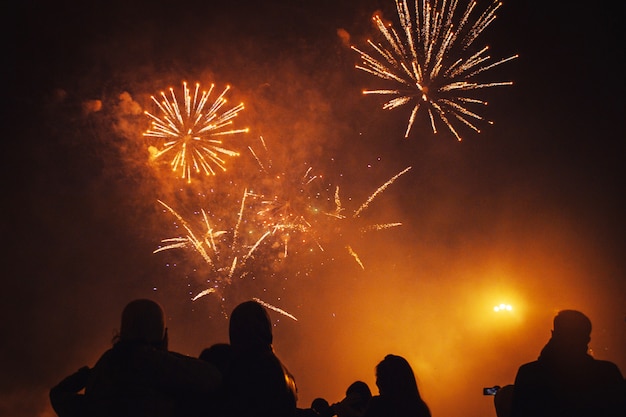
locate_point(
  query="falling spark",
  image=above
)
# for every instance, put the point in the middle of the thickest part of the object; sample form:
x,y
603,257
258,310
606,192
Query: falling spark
x,y
188,134
258,160
355,256
274,308
203,293
380,190
381,226
433,61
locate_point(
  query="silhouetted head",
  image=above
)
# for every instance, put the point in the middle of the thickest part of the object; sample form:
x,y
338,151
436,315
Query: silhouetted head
x,y
572,326
395,378
570,338
359,391
219,354
143,321
322,407
250,328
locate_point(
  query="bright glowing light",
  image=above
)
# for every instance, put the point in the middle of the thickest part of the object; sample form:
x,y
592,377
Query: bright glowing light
x,y
503,307
188,135
432,62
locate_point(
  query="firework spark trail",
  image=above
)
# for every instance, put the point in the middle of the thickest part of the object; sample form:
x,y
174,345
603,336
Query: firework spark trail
x,y
188,134
258,160
433,63
338,207
203,293
225,257
380,189
355,256
191,238
382,226
240,216
274,308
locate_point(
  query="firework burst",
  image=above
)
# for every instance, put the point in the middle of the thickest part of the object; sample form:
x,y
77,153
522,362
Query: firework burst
x,y
226,253
304,212
287,204
433,62
188,135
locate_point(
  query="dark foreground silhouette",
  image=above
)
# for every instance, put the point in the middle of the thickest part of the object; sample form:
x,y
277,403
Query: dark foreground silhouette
x,y
140,377
358,396
398,392
258,384
565,381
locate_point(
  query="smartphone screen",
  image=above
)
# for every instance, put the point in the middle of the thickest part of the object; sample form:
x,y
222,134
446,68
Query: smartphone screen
x,y
490,390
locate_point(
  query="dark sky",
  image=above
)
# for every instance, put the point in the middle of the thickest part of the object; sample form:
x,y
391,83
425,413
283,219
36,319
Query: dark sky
x,y
528,212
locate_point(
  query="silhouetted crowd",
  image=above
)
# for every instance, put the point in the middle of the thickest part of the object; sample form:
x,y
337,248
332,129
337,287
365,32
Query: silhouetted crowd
x,y
140,377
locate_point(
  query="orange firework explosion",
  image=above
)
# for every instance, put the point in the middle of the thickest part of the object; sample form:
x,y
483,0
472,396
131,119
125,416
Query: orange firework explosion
x,y
223,251
433,62
188,135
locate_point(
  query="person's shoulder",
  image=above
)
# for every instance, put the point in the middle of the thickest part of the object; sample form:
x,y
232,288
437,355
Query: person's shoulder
x,y
376,401
106,357
605,364
608,368
377,406
530,371
529,366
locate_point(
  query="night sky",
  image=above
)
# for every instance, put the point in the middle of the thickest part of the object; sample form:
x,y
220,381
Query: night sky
x,y
529,212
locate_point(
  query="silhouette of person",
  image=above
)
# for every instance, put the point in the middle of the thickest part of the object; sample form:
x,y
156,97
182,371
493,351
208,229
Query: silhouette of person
x,y
139,377
398,392
220,355
565,380
66,397
258,384
357,397
502,401
322,407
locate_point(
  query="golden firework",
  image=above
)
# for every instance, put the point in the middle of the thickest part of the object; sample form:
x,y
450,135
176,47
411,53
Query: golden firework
x,y
189,134
433,62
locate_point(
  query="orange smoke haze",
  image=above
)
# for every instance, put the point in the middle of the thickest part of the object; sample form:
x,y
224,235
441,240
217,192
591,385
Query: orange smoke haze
x,y
527,213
